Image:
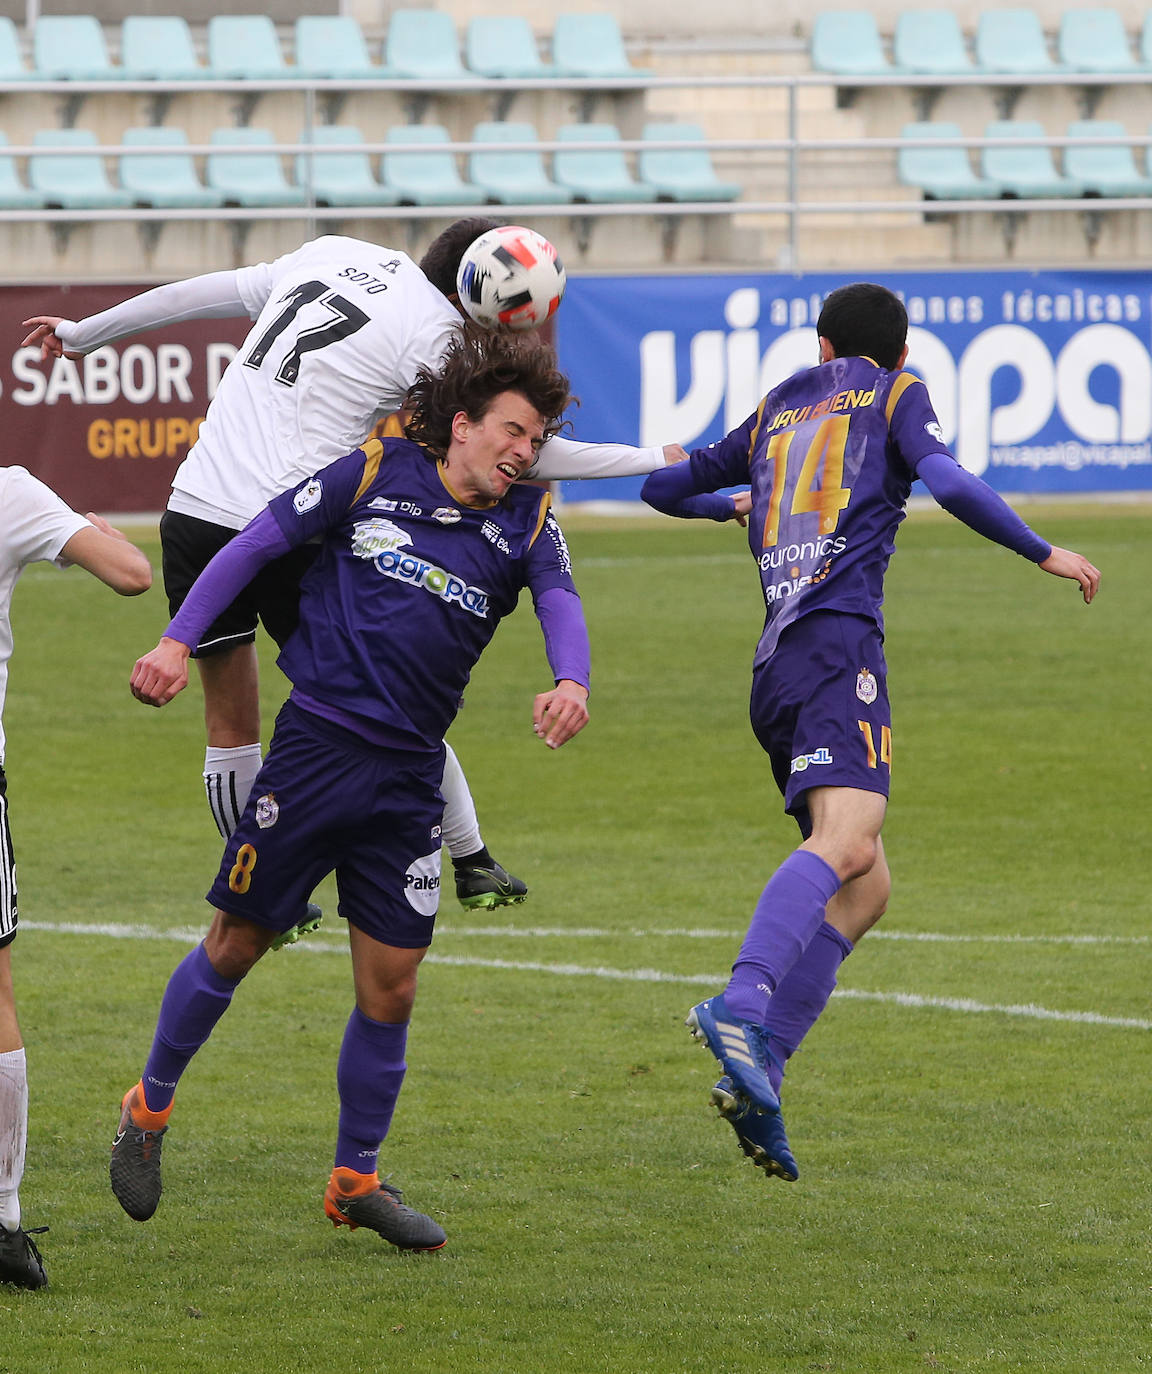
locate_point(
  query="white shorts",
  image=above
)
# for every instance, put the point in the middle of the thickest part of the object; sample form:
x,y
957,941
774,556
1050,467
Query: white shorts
x,y
7,871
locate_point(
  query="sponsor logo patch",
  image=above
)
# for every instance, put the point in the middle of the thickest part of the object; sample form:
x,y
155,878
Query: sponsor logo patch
x,y
308,497
495,535
418,572
802,762
446,515
422,884
381,503
372,537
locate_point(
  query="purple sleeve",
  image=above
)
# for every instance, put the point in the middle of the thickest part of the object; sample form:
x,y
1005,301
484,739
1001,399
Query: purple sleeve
x,y
968,499
561,618
229,572
691,490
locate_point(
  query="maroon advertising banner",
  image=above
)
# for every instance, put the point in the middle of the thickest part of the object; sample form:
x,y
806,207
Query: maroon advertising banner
x,y
106,431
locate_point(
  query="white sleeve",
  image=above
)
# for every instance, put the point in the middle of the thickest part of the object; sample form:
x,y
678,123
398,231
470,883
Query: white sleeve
x,y
37,522
562,460
215,296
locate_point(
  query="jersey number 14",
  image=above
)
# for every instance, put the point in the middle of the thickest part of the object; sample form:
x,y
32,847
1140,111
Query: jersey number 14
x,y
823,463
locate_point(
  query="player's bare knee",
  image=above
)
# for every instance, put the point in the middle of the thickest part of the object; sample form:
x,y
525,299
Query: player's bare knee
x,y
234,945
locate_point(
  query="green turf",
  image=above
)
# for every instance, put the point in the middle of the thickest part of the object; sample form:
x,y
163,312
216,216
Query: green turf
x,y
974,1182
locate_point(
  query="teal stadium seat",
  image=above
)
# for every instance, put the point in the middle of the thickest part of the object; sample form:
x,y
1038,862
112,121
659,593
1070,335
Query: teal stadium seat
x,y
941,173
340,178
249,179
77,180
422,45
14,195
847,43
332,47
930,43
71,47
1144,47
12,66
516,177
1011,42
430,178
1094,41
1026,173
681,173
159,48
244,47
503,46
590,45
163,180
596,174
1107,169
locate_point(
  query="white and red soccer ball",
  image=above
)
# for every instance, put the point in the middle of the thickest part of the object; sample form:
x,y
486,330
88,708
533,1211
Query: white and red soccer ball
x,y
511,277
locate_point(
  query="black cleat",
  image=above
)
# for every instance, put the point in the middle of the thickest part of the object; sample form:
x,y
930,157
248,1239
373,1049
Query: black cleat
x,y
381,1210
487,885
20,1261
135,1164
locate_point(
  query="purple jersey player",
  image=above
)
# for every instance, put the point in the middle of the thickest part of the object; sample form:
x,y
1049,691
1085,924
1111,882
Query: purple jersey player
x,y
831,455
424,547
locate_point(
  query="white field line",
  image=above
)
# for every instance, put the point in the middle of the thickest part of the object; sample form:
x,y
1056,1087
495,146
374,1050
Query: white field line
x,y
963,1005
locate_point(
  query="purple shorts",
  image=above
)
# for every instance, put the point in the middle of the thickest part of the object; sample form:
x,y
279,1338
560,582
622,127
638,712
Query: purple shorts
x,y
820,709
326,800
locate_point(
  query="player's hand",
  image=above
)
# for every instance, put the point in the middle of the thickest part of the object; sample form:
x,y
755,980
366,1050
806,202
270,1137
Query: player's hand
x,y
561,713
44,337
673,453
741,505
162,674
104,527
1065,563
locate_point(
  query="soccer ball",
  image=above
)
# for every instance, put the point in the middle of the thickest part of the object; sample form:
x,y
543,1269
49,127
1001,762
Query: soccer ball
x,y
510,276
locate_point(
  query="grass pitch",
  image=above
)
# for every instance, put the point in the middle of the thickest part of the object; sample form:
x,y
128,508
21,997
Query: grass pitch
x,y
970,1115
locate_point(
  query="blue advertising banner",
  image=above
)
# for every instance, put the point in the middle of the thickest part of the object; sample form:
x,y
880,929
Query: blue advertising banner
x,y
1042,381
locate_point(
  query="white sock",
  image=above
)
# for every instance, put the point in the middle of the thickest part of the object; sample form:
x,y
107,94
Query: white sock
x,y
461,827
13,1133
228,778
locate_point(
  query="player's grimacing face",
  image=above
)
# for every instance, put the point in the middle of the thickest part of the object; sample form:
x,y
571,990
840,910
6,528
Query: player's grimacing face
x,y
487,455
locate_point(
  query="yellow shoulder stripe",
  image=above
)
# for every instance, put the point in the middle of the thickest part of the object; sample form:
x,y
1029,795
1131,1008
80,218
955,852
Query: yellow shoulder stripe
x,y
756,430
541,516
373,452
899,387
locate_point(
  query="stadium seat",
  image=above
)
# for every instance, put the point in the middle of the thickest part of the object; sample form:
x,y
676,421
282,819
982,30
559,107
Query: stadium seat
x,y
12,66
1106,169
512,178
159,48
14,195
245,47
423,45
503,46
595,174
590,45
941,173
681,173
429,178
930,43
249,178
847,43
1011,42
1094,41
75,181
1027,173
164,180
340,178
332,47
71,47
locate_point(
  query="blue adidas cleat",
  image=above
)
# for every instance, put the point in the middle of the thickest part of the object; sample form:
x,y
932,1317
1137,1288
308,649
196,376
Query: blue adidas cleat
x,y
761,1134
740,1047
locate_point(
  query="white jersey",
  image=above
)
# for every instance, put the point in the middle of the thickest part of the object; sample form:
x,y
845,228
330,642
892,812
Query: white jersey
x,y
342,327
34,526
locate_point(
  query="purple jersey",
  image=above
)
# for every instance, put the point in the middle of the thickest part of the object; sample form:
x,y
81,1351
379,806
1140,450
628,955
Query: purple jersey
x,y
831,454
408,587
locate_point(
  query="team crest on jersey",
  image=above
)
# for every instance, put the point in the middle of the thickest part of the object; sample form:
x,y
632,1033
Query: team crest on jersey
x,y
446,515
866,688
267,811
373,537
308,497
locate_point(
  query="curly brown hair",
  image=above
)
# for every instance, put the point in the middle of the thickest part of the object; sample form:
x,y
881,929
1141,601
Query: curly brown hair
x,y
479,365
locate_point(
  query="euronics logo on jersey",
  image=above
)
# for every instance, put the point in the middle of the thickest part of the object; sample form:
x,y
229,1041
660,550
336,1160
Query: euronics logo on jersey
x,y
308,497
802,762
418,572
371,538
422,884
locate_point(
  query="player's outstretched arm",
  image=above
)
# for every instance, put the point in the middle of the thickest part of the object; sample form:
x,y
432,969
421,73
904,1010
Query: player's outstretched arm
x,y
106,553
161,674
561,713
1065,563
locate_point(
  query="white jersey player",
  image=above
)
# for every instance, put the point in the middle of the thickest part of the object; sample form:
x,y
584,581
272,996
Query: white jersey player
x,y
35,526
342,327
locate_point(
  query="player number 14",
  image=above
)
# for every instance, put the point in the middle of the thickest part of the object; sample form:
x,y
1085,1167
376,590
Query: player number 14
x,y
823,461
885,754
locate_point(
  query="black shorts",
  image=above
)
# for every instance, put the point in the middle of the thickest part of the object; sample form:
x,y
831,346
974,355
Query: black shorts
x,y
272,597
7,871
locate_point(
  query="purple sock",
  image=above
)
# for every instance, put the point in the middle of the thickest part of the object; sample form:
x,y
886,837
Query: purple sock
x,y
369,1073
787,916
802,994
194,1000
